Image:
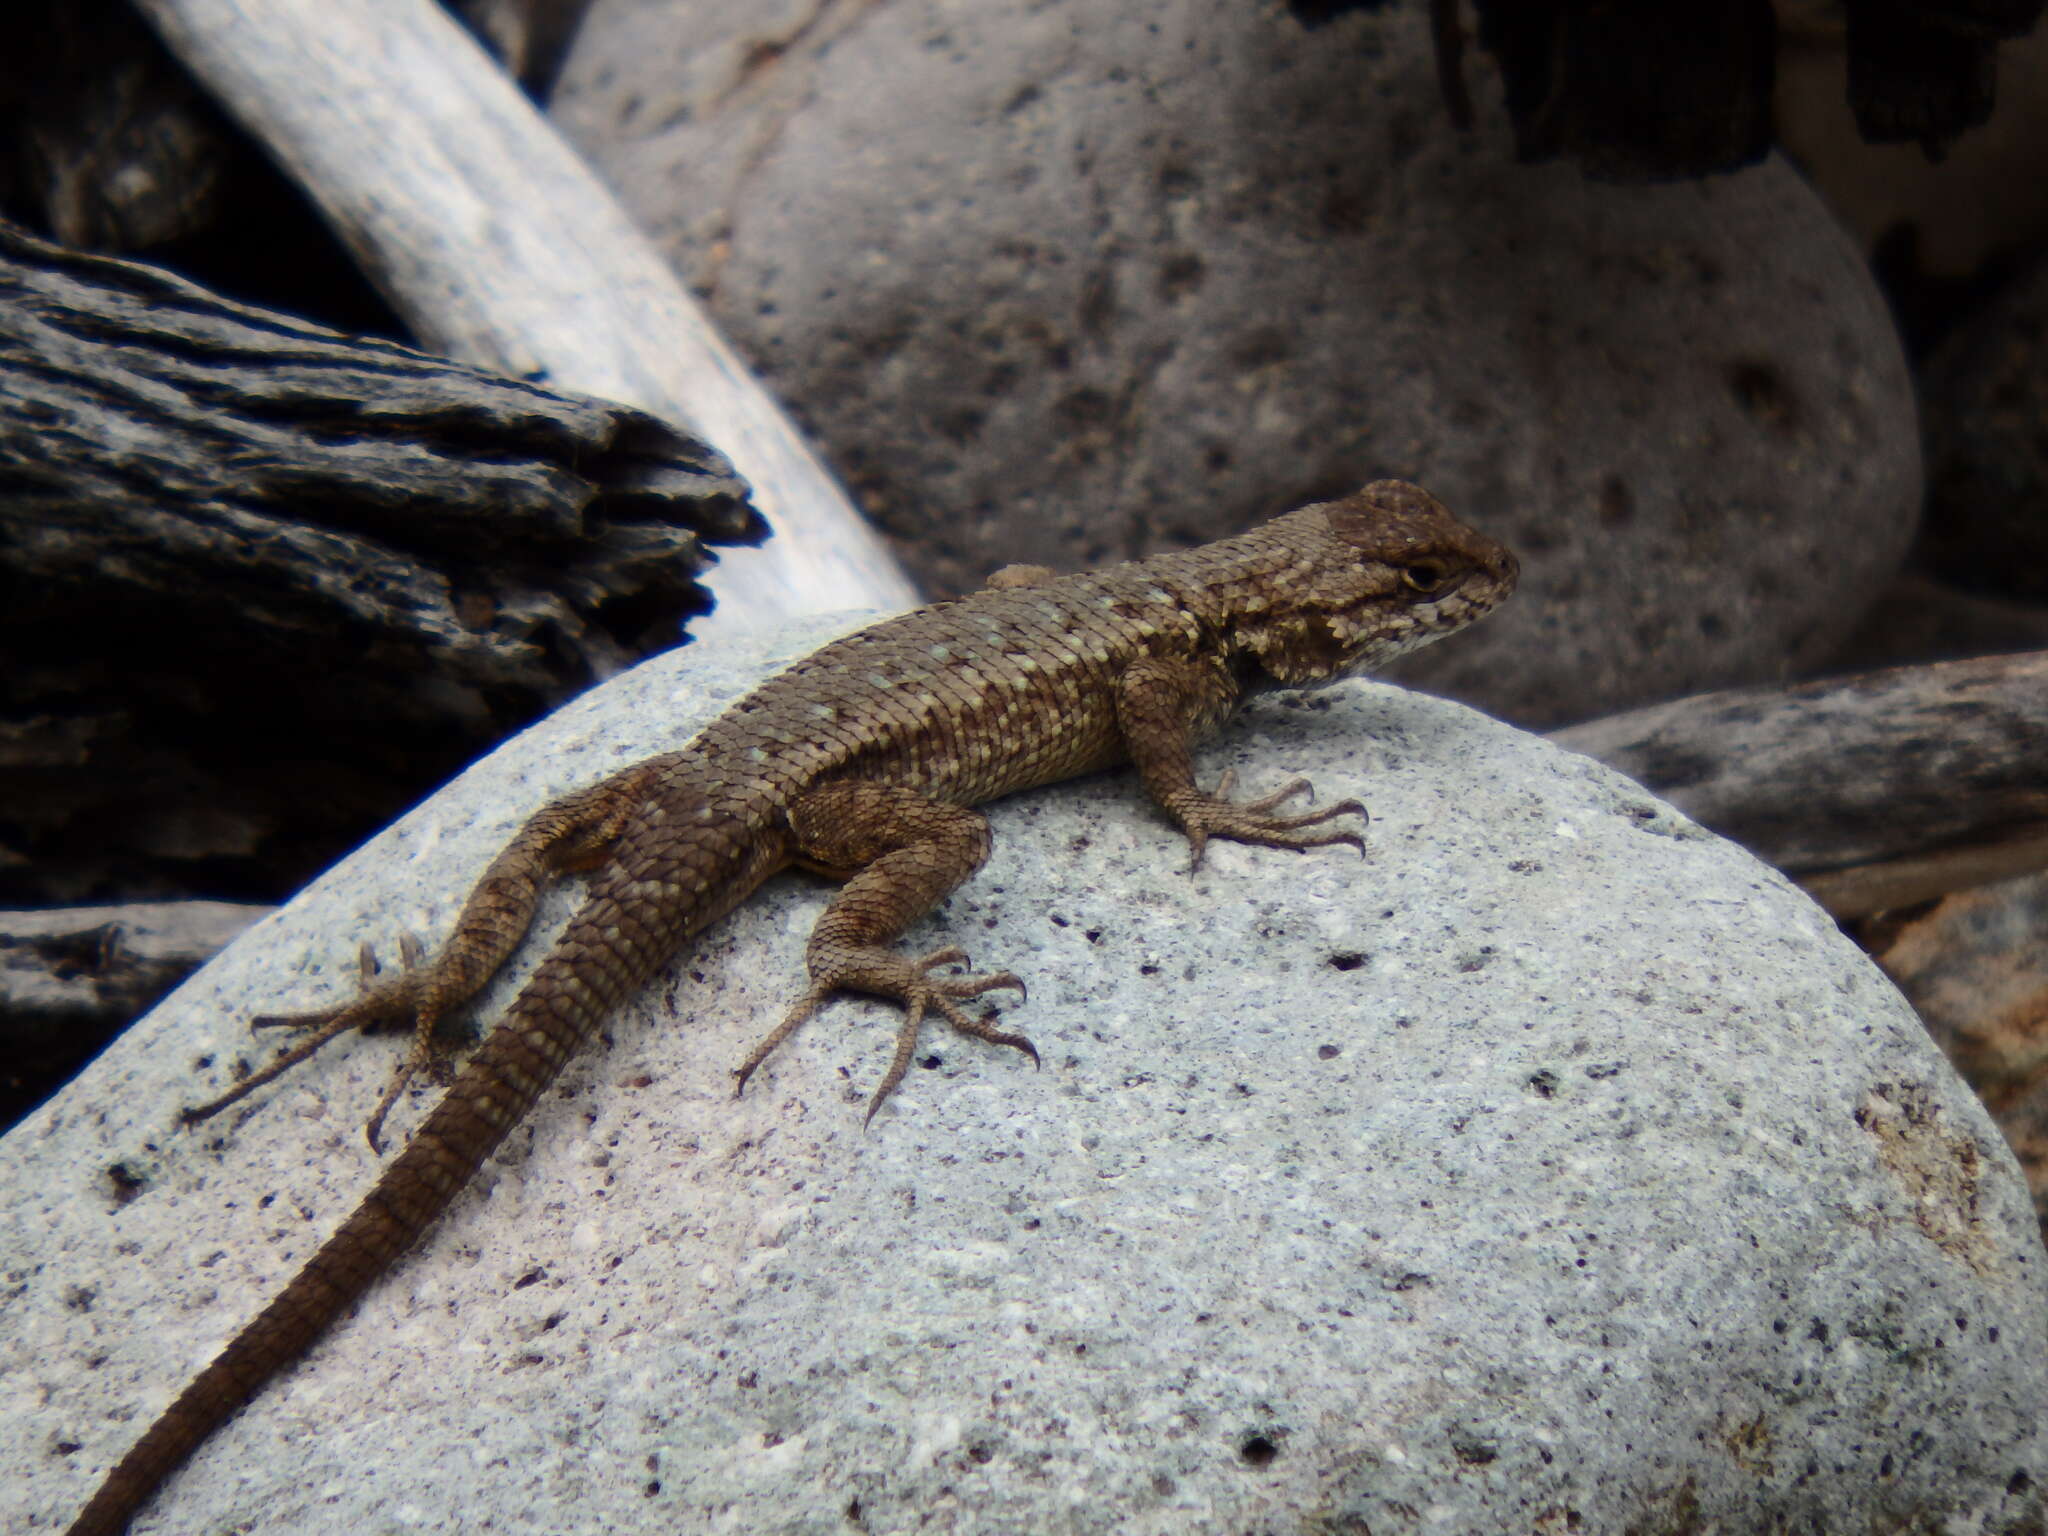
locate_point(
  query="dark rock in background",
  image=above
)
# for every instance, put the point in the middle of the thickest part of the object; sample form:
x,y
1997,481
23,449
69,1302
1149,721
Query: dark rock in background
x,y
1985,403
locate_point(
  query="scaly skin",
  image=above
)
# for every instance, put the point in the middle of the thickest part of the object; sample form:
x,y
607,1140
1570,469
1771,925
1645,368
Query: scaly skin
x,y
864,761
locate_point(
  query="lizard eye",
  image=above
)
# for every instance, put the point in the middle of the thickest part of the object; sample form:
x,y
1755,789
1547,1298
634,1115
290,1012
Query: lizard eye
x,y
1426,577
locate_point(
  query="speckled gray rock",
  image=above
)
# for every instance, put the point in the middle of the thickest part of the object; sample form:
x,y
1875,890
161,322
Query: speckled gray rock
x,y
1555,1167
1064,282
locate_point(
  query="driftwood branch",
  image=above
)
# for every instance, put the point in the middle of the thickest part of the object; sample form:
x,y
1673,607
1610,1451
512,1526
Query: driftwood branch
x,y
495,242
1874,790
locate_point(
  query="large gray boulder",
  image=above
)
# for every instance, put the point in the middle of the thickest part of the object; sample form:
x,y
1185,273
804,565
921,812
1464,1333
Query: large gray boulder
x,y
1065,282
1556,1167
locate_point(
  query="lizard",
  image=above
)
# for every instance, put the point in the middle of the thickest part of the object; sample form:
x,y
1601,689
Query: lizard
x,y
864,762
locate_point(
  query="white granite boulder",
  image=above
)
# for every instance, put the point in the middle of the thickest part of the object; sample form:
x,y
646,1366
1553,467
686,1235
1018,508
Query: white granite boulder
x,y
1060,283
1554,1168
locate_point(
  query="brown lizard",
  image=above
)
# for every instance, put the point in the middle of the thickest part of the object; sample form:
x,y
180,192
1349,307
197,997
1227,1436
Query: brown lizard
x,y
863,762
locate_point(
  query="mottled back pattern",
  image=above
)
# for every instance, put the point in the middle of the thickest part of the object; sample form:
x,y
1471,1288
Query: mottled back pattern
x,y
1010,689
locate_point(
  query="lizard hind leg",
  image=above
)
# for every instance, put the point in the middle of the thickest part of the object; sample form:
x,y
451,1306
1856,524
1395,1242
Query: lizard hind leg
x,y
900,852
572,835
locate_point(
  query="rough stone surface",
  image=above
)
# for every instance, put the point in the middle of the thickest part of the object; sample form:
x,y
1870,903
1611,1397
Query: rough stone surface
x,y
1063,282
1556,1167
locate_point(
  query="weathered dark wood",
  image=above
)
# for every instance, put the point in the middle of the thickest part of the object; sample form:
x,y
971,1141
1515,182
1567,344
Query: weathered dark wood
x,y
1945,763
261,584
153,435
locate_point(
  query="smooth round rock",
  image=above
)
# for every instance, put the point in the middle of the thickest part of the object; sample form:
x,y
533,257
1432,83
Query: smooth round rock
x,y
1555,1167
1065,283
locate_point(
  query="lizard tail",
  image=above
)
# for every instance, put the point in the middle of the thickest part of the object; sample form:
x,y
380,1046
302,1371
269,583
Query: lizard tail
x,y
558,1008
500,1083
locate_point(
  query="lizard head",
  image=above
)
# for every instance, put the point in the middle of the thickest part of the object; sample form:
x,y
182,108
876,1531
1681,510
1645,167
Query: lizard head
x,y
1362,580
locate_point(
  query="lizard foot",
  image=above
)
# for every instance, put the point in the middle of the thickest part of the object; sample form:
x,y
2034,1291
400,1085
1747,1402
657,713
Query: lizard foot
x,y
883,973
1206,816
387,1002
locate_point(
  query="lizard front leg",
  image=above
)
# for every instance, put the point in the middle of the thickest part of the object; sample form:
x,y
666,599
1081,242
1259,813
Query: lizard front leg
x,y
1161,703
900,853
571,835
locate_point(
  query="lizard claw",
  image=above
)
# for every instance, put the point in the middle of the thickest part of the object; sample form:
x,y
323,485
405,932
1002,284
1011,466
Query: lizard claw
x,y
982,1028
941,993
954,955
910,983
1204,816
373,1128
804,1008
381,1004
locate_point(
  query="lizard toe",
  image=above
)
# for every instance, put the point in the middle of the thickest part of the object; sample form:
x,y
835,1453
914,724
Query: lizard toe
x,y
1205,816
